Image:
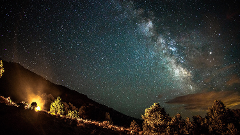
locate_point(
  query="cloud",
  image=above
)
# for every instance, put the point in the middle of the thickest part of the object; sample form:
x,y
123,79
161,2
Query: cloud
x,y
201,101
234,79
220,71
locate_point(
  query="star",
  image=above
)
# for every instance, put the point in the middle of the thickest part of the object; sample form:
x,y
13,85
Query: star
x,y
126,55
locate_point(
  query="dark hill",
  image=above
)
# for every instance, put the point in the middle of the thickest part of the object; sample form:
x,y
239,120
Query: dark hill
x,y
19,83
18,121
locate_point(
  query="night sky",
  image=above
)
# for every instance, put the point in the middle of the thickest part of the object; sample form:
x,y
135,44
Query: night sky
x,y
129,54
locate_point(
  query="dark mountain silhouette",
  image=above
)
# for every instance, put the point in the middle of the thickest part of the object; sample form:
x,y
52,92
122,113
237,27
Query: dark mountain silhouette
x,y
20,121
19,83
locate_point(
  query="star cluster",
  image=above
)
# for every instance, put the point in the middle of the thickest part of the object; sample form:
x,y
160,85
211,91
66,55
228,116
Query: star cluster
x,y
126,54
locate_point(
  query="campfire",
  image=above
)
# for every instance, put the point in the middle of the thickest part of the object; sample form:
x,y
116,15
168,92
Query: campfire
x,y
38,103
38,108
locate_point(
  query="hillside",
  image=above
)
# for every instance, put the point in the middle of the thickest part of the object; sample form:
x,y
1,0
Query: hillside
x,y
17,120
21,84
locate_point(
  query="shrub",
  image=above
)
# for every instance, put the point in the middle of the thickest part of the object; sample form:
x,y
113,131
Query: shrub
x,y
72,114
72,107
108,118
176,124
33,105
188,127
3,100
1,68
66,108
134,126
82,112
57,107
155,120
231,129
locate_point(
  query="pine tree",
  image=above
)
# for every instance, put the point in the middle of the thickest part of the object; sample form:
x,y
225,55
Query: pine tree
x,y
176,124
57,107
188,126
200,125
216,117
155,120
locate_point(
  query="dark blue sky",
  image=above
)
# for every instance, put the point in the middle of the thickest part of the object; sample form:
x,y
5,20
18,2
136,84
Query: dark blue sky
x,y
130,54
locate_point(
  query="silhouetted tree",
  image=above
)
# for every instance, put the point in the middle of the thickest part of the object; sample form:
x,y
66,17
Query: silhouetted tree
x,y
155,120
33,105
108,118
72,107
176,124
200,125
82,112
234,117
66,108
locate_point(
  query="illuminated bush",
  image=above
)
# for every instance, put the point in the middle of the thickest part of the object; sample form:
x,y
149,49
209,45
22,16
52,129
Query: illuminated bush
x,y
72,114
1,68
155,120
216,117
231,129
57,107
134,126
188,127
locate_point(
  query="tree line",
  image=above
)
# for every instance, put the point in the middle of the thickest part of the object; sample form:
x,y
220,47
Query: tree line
x,y
219,120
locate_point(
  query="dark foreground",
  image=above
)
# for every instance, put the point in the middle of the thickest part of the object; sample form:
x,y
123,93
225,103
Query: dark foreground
x,y
15,120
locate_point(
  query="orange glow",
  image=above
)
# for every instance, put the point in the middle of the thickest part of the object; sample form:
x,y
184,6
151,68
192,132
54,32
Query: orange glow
x,y
37,108
38,100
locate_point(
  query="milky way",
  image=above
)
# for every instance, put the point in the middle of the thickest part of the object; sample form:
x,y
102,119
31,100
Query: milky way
x,y
127,54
